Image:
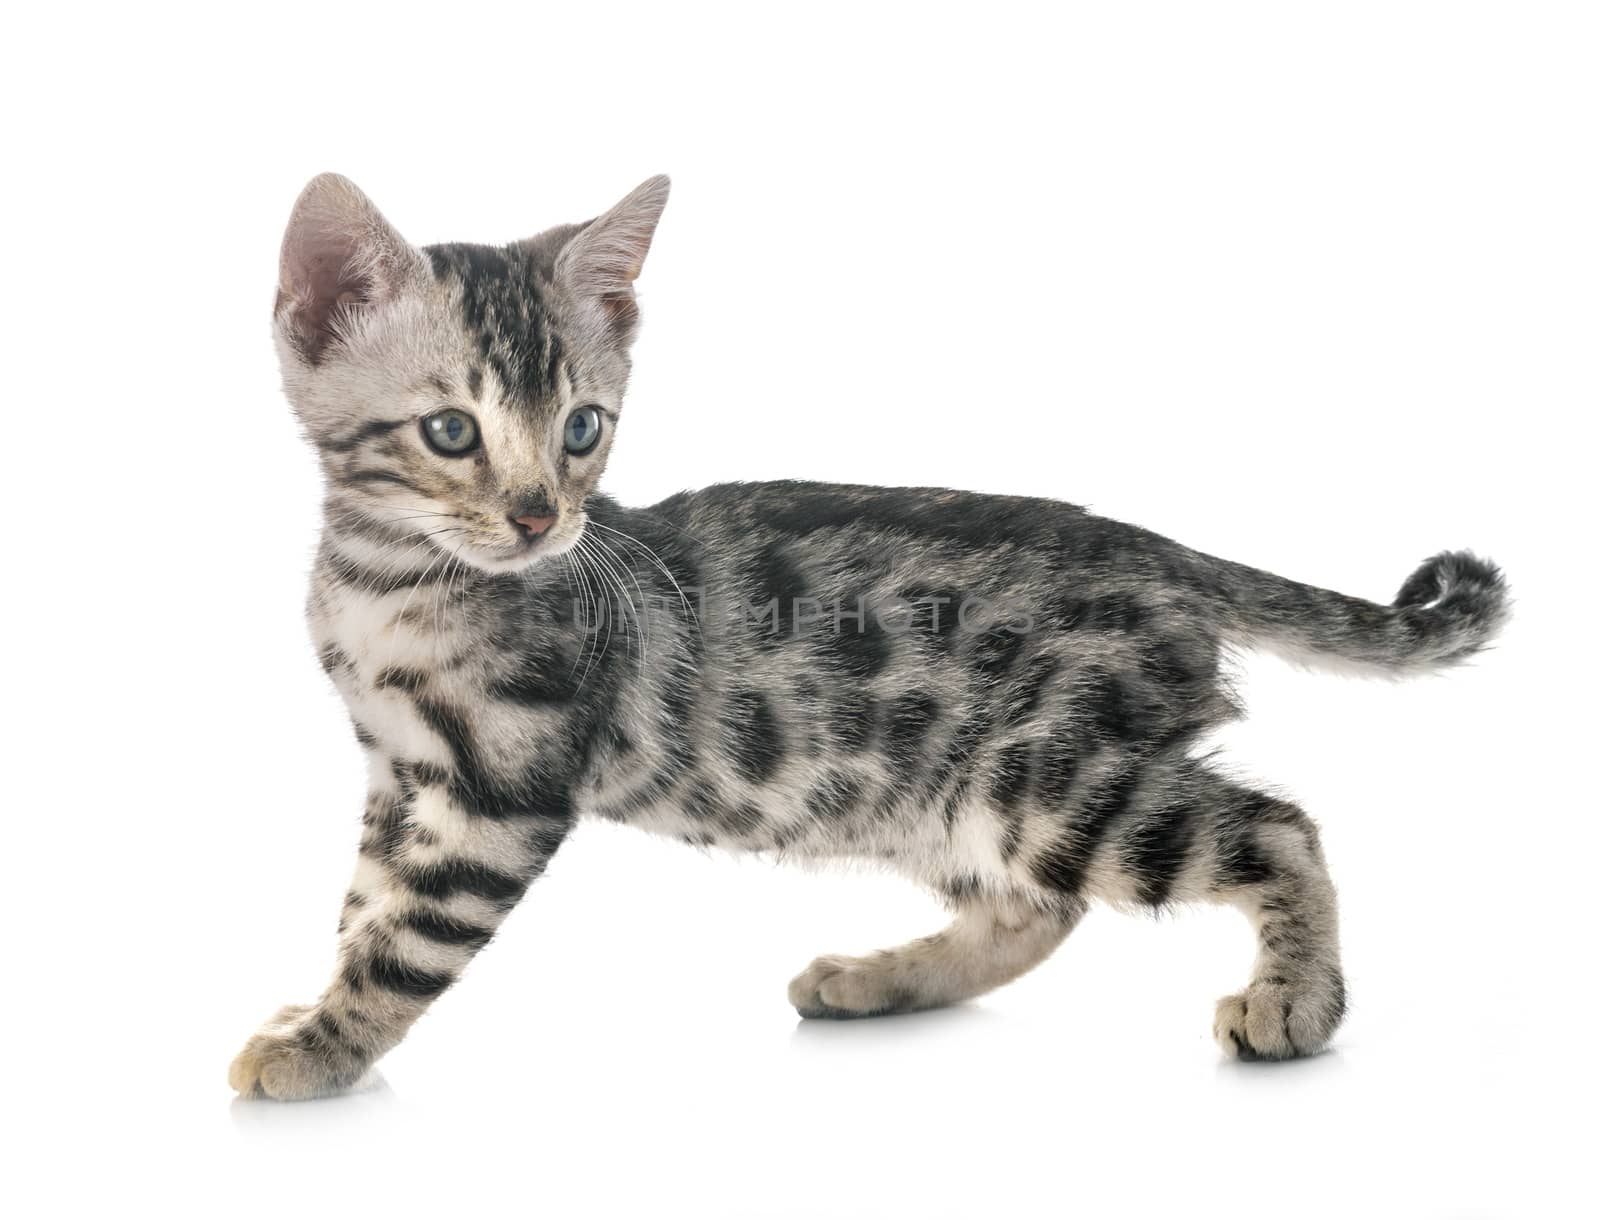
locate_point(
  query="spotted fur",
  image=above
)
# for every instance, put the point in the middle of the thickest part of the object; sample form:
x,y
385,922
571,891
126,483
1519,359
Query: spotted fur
x,y
999,697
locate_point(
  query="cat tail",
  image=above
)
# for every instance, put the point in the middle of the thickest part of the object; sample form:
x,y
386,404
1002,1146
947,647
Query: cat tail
x,y
1449,609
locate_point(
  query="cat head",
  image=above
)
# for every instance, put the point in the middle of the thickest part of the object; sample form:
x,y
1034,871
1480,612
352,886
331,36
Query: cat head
x,y
462,398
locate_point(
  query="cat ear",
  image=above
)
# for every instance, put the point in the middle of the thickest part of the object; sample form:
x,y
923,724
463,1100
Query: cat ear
x,y
601,261
339,256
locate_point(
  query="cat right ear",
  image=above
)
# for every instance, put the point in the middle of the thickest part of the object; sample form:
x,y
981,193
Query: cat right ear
x,y
604,257
340,256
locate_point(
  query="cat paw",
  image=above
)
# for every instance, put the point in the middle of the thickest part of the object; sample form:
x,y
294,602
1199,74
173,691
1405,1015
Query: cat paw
x,y
288,1061
1278,1020
843,987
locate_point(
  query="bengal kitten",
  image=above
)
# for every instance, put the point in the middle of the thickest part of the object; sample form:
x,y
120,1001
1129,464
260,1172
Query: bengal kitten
x,y
997,696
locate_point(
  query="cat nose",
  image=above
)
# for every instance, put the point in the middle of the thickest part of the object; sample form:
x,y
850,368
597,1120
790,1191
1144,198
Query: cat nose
x,y
532,526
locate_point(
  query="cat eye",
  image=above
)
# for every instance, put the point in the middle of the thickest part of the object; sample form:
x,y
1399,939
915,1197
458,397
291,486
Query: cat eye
x,y
582,432
452,433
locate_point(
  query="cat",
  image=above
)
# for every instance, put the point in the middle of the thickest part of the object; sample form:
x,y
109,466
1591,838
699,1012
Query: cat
x,y
997,696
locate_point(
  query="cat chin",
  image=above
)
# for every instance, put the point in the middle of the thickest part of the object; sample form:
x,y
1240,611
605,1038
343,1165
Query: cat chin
x,y
520,559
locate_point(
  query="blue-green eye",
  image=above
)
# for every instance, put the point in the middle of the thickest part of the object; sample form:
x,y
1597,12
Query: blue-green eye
x,y
583,430
451,433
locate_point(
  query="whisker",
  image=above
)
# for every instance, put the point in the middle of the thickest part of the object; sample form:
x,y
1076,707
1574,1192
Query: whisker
x,y
665,571
596,648
608,564
399,617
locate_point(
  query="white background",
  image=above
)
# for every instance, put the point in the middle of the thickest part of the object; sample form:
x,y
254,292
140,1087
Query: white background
x,y
1314,287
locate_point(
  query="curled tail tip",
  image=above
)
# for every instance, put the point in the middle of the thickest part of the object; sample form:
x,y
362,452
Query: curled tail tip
x,y
1452,574
1462,597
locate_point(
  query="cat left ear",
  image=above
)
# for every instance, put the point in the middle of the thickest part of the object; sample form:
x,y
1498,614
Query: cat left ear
x,y
600,263
339,255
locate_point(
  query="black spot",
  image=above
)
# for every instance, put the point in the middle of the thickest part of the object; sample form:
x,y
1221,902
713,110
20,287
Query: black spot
x,y
775,585
1166,664
935,613
863,648
1104,705
755,742
906,724
1240,861
1057,767
1064,866
995,652
833,796
1013,771
1065,613
1155,848
1115,612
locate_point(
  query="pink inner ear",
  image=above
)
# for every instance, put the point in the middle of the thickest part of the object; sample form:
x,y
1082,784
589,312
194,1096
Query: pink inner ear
x,y
321,274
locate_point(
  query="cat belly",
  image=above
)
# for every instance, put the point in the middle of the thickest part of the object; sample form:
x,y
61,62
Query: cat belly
x,y
949,852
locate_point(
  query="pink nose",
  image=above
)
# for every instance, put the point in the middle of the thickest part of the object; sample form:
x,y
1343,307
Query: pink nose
x,y
534,526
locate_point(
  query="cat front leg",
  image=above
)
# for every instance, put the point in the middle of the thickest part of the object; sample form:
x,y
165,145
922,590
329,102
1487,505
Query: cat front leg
x,y
993,940
432,884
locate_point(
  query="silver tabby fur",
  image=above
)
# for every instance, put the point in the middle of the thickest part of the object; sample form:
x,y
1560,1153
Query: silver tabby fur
x,y
996,696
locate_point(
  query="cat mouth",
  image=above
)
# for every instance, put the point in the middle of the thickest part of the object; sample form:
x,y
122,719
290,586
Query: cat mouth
x,y
523,553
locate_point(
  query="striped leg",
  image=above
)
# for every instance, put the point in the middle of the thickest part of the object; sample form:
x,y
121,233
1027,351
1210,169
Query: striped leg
x,y
1166,830
1191,835
432,884
1269,864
